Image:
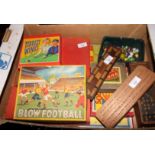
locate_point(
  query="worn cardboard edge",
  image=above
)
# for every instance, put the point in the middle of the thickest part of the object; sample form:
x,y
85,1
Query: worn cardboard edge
x,y
8,84
60,126
87,30
152,47
9,50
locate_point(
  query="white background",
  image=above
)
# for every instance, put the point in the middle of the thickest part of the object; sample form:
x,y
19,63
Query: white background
x,y
77,142
77,11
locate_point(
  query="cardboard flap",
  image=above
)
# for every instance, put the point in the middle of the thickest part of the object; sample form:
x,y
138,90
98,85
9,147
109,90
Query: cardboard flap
x,y
93,31
7,52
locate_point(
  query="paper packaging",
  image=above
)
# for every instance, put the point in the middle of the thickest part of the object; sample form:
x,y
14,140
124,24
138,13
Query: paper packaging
x,y
8,51
94,32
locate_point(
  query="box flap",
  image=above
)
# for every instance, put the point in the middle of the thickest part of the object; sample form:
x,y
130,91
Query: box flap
x,y
8,50
151,30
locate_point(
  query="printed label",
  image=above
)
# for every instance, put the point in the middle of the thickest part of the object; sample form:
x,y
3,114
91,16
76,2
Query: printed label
x,y
4,60
81,45
134,82
108,59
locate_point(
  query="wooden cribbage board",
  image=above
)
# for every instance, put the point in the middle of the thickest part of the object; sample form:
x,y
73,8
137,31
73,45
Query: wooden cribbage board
x,y
125,96
145,107
101,70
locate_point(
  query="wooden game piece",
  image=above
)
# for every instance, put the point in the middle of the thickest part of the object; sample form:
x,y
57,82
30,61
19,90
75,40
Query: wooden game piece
x,y
125,96
101,70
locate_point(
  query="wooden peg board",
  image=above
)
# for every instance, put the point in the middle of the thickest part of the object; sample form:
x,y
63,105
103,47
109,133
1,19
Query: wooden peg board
x,y
101,70
125,96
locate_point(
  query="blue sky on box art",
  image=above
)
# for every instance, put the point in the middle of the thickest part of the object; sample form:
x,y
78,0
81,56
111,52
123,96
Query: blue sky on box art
x,y
60,70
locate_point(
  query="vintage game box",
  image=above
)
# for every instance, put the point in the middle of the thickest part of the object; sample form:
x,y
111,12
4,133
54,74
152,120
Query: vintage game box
x,y
132,49
51,93
115,78
125,123
101,98
76,51
42,49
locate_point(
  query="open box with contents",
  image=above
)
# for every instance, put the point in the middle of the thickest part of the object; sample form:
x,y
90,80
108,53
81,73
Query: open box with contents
x,y
95,33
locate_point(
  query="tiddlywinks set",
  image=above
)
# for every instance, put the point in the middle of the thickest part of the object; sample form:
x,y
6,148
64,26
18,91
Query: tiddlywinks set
x,y
70,80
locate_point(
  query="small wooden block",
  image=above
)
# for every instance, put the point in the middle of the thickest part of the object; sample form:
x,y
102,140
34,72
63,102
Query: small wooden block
x,y
91,90
104,75
90,78
95,70
100,63
93,80
109,67
101,71
98,75
99,83
125,96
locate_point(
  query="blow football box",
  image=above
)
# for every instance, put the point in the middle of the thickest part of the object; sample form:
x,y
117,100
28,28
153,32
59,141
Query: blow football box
x,y
51,93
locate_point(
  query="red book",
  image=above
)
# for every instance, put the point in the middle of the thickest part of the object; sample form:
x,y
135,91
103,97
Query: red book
x,y
76,51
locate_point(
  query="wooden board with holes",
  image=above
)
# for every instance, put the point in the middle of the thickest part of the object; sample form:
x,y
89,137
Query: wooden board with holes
x,y
125,96
145,107
101,70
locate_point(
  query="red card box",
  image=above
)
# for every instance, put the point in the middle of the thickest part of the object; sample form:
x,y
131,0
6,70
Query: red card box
x,y
76,51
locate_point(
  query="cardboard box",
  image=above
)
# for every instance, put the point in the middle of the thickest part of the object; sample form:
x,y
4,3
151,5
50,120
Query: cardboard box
x,y
151,30
92,31
8,51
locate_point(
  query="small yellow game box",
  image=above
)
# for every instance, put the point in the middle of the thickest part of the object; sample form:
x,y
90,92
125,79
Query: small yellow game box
x,y
42,49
